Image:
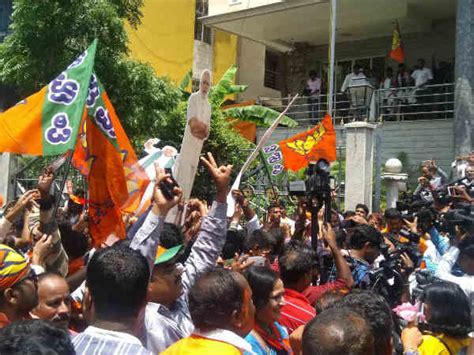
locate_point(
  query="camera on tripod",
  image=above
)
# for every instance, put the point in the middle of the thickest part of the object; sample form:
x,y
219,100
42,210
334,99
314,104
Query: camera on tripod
x,y
318,186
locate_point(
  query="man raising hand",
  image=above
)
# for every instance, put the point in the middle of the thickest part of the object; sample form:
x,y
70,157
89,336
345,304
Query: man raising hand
x,y
167,317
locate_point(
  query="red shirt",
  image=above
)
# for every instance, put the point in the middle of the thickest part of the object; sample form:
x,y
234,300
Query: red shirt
x,y
4,321
314,293
296,311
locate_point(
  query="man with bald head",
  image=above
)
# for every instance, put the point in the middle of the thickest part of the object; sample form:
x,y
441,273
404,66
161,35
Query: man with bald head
x,y
54,302
338,331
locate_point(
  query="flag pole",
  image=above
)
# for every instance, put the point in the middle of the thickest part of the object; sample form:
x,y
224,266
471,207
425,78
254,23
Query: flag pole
x,y
48,228
332,45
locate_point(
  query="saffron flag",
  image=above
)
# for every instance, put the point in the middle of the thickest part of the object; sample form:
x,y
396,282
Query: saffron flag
x,y
317,143
47,122
397,53
104,154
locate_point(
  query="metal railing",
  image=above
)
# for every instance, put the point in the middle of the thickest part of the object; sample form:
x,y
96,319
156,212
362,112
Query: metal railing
x,y
394,104
411,103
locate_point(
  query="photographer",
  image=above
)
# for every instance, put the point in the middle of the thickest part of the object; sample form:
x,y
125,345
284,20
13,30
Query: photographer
x,y
436,244
402,234
462,252
466,184
365,246
432,178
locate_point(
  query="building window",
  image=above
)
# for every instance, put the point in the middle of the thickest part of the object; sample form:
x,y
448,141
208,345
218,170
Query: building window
x,y
272,70
201,32
5,17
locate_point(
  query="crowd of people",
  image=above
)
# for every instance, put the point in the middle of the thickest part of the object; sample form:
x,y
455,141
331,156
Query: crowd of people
x,y
415,93
397,282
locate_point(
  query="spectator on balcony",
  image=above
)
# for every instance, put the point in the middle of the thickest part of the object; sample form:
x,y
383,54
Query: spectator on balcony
x,y
313,91
443,74
423,77
403,76
358,95
404,93
389,93
350,76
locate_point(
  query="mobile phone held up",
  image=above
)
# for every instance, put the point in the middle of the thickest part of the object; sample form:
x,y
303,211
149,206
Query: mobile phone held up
x,y
257,260
167,185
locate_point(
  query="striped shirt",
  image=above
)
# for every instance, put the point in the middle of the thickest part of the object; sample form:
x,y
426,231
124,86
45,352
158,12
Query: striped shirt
x,y
297,310
107,342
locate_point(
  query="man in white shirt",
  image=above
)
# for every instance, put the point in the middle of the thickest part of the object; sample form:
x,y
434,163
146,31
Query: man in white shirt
x,y
463,253
349,77
422,75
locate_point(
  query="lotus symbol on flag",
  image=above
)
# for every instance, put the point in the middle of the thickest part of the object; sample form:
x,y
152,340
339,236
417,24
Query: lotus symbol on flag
x,y
303,147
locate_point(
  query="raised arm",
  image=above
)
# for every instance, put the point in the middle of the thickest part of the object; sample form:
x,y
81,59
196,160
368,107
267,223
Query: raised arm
x,y
343,270
212,235
252,219
147,238
20,206
57,259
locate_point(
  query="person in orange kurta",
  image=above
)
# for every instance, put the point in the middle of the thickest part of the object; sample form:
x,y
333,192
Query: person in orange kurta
x,y
223,314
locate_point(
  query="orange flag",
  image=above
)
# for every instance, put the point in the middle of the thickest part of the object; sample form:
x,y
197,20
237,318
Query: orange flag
x,y
104,154
317,143
46,123
397,53
107,186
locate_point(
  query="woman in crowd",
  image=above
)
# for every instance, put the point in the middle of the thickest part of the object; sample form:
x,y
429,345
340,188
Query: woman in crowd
x,y
268,336
448,322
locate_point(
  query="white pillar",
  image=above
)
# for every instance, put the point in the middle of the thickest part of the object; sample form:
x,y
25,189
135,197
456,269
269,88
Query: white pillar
x,y
393,178
6,168
392,192
359,164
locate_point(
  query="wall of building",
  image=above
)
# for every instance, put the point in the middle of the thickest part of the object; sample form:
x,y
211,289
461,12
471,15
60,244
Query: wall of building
x,y
224,52
419,140
202,58
162,40
251,63
169,45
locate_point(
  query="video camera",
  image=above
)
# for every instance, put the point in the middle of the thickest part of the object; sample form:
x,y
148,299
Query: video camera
x,y
318,186
409,206
462,216
387,279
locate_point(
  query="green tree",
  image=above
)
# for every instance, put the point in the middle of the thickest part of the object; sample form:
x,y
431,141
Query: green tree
x,y
47,35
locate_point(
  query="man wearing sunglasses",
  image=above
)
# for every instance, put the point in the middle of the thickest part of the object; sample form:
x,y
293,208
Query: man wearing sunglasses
x,y
18,286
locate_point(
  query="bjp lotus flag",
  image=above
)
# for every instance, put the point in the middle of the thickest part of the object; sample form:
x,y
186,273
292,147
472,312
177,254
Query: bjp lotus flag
x,y
116,181
317,143
397,53
46,123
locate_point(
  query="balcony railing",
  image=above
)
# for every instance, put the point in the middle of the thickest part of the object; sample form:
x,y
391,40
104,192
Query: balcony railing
x,y
394,104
